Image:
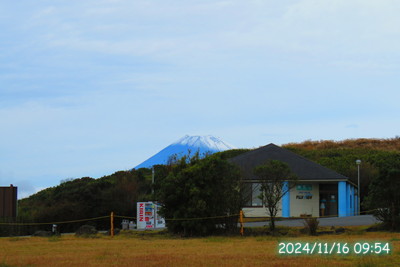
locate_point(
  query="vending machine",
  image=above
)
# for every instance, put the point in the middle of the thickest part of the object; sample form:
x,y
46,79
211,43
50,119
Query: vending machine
x,y
160,222
148,217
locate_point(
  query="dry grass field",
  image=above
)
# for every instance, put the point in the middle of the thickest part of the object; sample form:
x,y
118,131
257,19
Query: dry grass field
x,y
160,250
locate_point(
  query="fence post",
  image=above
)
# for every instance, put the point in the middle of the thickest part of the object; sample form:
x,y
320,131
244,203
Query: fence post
x,y
112,224
241,222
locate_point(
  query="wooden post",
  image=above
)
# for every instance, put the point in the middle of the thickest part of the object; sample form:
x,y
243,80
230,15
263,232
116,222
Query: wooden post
x,y
241,222
112,224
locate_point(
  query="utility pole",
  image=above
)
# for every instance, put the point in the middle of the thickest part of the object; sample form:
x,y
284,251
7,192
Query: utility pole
x,y
358,162
152,180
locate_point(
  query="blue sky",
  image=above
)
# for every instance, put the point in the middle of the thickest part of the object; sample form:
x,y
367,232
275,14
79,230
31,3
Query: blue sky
x,y
88,88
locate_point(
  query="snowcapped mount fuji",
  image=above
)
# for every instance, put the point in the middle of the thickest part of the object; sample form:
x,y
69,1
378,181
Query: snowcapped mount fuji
x,y
213,144
201,144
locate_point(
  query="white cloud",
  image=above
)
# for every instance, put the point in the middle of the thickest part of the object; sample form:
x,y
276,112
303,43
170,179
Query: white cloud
x,y
346,26
94,86
199,32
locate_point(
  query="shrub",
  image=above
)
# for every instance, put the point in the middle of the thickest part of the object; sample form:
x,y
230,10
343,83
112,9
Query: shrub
x,y
311,225
42,233
86,231
206,188
384,197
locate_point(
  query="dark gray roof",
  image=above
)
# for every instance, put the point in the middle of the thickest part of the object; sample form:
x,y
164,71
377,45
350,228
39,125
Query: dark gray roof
x,y
305,169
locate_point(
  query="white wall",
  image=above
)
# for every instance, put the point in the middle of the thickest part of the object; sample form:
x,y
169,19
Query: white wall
x,y
304,206
297,206
261,211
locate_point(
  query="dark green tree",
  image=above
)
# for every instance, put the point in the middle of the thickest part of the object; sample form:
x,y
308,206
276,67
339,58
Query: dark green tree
x,y
87,198
273,176
384,198
200,188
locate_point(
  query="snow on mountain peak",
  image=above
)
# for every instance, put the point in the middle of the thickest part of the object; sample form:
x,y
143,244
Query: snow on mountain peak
x,y
208,141
201,144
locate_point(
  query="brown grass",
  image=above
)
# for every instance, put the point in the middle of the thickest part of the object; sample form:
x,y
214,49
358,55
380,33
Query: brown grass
x,y
390,144
167,251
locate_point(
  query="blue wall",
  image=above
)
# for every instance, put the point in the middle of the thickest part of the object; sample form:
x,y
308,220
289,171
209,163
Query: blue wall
x,y
347,199
286,200
351,202
342,198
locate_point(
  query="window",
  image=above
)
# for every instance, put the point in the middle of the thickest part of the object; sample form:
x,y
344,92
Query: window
x,y
251,193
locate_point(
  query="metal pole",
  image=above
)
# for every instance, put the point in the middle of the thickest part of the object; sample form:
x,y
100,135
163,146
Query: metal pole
x,y
358,162
152,180
112,224
241,222
358,189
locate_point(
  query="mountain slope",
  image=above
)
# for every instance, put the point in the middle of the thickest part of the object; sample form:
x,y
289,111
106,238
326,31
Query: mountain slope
x,y
201,144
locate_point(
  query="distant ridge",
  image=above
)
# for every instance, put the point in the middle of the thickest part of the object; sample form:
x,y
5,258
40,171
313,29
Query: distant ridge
x,y
201,144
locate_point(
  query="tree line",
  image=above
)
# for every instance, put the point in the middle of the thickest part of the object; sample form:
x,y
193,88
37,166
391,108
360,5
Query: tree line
x,y
83,198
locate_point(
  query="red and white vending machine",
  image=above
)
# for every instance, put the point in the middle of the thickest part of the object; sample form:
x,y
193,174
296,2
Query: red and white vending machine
x,y
148,217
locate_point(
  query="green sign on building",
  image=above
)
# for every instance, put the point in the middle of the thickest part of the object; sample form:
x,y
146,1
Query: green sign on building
x,y
304,187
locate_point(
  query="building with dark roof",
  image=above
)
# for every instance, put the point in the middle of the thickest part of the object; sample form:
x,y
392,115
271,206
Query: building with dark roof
x,y
319,191
8,201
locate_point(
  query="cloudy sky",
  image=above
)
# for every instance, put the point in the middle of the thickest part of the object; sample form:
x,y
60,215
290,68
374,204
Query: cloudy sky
x,y
88,88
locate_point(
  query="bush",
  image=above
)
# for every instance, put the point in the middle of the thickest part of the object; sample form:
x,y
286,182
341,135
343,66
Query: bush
x,y
206,188
311,225
86,231
42,233
384,197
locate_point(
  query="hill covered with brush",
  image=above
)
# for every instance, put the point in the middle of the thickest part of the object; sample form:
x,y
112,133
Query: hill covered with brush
x,y
376,155
85,198
391,144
